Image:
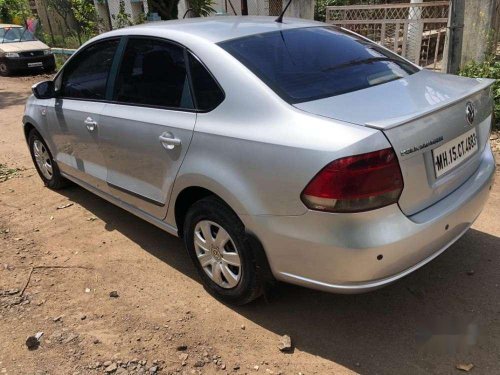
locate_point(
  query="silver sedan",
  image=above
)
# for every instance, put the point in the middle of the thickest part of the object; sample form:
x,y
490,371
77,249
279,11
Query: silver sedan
x,y
291,151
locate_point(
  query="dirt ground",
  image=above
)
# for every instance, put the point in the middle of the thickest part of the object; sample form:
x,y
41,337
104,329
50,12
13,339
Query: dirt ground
x,y
445,315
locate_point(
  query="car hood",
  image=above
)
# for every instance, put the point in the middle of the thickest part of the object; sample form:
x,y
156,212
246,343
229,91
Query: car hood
x,y
397,102
23,46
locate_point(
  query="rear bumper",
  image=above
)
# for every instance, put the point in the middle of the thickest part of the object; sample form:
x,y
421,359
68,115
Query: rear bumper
x,y
46,62
354,253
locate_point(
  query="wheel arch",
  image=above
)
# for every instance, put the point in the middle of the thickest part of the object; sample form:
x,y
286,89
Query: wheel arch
x,y
27,128
185,199
29,124
191,194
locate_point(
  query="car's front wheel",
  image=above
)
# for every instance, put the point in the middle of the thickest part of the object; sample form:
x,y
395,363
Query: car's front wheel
x,y
221,251
44,163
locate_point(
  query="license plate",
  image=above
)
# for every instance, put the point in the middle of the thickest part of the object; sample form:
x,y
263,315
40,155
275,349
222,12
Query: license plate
x,y
454,152
35,64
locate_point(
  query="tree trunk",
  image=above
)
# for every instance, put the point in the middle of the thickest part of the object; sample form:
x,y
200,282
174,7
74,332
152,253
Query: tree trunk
x,y
166,9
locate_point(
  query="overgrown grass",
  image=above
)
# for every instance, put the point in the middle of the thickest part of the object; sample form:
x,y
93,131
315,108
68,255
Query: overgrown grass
x,y
490,68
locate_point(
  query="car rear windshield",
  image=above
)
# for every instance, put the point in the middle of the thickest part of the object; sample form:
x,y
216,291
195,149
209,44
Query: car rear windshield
x,y
312,63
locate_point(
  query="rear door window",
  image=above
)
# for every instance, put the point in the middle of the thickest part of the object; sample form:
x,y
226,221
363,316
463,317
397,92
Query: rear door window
x,y
153,73
86,76
312,63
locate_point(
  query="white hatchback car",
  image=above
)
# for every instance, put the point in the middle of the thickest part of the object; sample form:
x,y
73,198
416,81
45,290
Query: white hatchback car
x,y
21,51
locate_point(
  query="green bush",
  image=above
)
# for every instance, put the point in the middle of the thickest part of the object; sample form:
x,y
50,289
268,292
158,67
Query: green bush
x,y
320,7
490,68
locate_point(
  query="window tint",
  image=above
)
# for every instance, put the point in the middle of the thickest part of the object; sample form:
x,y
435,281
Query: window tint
x,y
153,72
312,63
86,76
207,92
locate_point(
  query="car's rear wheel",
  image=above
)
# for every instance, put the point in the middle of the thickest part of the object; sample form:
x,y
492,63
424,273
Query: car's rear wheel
x,y
4,69
221,251
44,163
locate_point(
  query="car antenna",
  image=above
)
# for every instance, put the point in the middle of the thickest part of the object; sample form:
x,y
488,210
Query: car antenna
x,y
280,17
187,11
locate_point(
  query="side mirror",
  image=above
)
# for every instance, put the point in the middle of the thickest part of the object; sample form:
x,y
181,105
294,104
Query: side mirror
x,y
44,90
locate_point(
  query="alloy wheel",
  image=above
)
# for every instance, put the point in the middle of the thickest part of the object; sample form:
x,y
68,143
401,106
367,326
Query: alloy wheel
x,y
42,159
217,254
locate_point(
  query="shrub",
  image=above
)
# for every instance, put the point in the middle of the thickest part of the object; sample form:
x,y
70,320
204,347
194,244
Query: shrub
x,y
490,68
320,7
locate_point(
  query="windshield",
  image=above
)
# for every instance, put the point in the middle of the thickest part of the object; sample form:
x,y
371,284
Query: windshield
x,y
311,63
15,34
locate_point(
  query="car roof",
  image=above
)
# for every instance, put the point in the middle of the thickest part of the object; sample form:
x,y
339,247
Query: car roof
x,y
2,25
220,28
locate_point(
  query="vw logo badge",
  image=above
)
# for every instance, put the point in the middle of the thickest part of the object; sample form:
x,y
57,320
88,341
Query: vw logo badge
x,y
470,112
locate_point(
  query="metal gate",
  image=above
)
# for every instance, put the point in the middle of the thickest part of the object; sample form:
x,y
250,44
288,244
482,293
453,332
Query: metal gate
x,y
416,31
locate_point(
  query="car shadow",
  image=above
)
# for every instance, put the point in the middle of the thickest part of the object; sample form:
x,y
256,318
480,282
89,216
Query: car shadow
x,y
13,98
444,314
10,98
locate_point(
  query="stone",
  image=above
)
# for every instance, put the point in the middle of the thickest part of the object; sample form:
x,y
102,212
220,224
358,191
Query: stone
x,y
285,343
111,368
32,343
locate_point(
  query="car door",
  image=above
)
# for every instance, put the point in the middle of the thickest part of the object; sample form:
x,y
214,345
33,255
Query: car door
x,y
74,115
146,130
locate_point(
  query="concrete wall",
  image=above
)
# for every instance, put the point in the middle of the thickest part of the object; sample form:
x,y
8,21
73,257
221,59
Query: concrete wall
x,y
481,21
134,8
51,20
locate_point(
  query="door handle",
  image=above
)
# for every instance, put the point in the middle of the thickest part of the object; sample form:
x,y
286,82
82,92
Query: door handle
x,y
91,124
168,140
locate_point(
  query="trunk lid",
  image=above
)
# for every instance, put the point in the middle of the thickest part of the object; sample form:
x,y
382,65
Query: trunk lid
x,y
418,114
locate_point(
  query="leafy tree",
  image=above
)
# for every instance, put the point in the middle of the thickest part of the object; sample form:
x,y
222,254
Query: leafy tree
x,y
82,12
201,8
63,9
10,9
122,18
85,16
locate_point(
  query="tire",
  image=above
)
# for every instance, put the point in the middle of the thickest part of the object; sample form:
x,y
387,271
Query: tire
x,y
250,284
4,69
52,180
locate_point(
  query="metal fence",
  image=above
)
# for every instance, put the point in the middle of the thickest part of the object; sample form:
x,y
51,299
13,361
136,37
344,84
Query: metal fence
x,y
416,31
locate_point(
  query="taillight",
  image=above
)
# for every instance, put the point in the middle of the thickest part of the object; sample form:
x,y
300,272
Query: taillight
x,y
356,183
